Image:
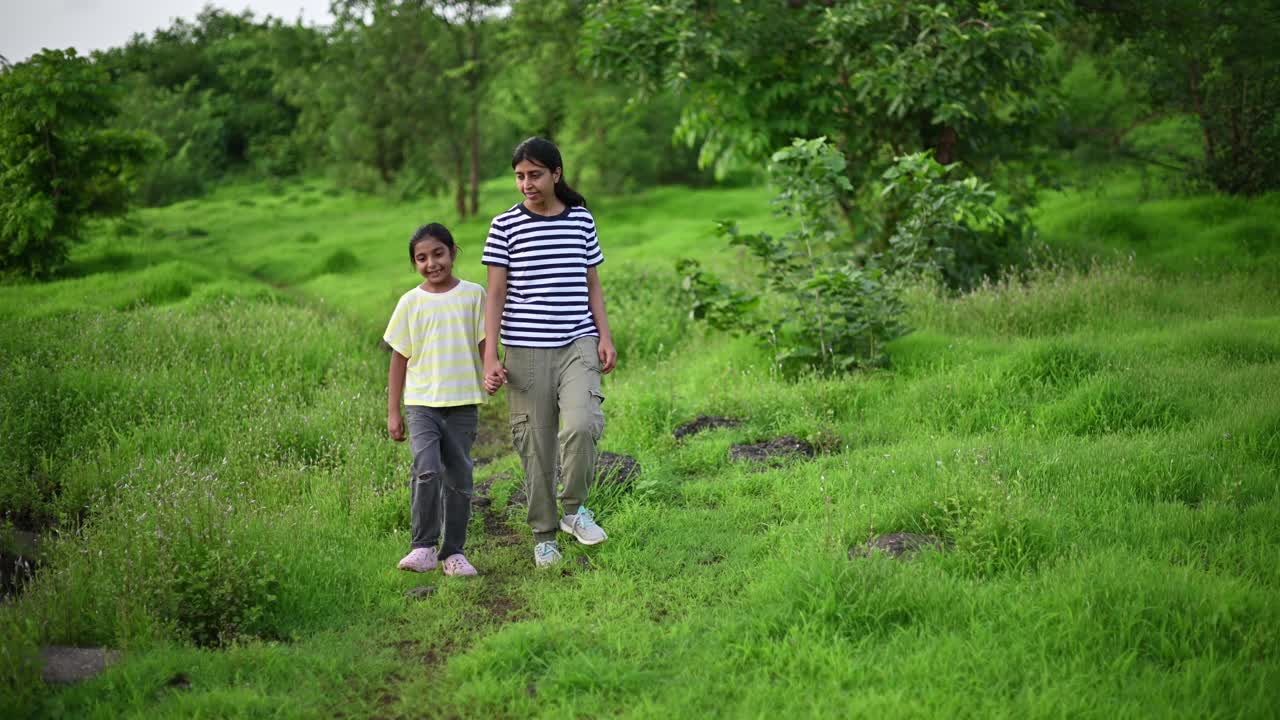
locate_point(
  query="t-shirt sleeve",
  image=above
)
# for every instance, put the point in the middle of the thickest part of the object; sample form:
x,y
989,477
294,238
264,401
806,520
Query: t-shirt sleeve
x,y
592,254
495,247
397,334
480,303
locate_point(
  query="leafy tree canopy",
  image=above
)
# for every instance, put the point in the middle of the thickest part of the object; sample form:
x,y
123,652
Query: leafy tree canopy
x,y
1215,60
880,78
58,164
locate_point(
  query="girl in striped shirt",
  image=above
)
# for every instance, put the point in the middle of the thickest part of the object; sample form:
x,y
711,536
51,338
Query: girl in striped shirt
x,y
547,306
437,337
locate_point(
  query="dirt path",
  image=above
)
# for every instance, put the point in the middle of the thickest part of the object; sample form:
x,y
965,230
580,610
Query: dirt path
x,y
502,546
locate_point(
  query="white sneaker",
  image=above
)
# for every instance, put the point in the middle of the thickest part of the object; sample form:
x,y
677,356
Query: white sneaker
x,y
583,527
546,554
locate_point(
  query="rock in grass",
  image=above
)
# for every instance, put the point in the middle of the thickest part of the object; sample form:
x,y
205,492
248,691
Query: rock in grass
x,y
66,664
782,447
899,545
704,422
422,592
615,469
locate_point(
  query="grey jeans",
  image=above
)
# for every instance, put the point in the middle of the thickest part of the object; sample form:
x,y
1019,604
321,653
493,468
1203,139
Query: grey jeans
x,y
441,485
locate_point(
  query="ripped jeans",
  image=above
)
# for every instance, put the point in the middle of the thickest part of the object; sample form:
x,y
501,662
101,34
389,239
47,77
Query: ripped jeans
x,y
441,484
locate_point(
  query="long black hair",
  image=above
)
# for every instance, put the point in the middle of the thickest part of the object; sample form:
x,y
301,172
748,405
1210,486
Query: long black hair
x,y
543,152
435,231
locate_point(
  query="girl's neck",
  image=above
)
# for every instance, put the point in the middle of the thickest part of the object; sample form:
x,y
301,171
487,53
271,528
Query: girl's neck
x,y
547,209
446,286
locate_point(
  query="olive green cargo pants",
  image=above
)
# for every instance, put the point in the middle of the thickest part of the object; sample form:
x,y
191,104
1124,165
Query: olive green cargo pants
x,y
556,421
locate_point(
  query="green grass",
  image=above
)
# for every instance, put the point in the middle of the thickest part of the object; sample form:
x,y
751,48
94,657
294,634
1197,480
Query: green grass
x,y
200,419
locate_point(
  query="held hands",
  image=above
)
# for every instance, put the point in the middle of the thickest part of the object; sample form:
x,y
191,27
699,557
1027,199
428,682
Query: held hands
x,y
395,427
495,376
608,356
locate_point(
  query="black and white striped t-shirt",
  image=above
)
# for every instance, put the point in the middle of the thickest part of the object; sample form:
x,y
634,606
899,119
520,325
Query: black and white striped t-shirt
x,y
546,260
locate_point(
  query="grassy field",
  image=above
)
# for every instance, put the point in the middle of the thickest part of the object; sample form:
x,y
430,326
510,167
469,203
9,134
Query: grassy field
x,y
195,413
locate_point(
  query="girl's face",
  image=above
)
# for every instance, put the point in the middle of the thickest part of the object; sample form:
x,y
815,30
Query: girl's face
x,y
434,261
537,183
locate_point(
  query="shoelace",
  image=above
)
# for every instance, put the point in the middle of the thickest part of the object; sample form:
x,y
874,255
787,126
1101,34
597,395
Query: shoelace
x,y
545,550
586,518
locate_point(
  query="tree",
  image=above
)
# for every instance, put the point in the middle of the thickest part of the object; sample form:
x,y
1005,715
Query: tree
x,y
213,91
612,140
416,74
880,78
1214,60
59,164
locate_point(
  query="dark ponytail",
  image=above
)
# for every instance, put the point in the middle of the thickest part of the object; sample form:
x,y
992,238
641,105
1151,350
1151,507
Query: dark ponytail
x,y
541,151
436,231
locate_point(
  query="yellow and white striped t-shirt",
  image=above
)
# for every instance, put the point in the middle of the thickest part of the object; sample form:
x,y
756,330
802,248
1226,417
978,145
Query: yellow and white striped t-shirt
x,y
440,334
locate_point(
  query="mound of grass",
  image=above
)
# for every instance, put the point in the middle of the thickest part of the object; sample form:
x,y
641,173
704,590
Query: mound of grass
x,y
339,262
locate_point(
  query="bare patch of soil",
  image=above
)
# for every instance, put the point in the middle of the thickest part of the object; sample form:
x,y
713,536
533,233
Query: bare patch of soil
x,y
422,592
784,447
898,545
615,469
496,528
19,561
704,422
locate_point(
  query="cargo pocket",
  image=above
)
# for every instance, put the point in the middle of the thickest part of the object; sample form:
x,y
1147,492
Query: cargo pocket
x,y
520,432
597,415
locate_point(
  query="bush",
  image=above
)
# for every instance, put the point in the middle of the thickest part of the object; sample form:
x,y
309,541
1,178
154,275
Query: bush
x,y
825,310
948,226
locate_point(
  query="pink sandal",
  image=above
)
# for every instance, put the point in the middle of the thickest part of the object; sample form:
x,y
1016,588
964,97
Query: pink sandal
x,y
457,564
420,560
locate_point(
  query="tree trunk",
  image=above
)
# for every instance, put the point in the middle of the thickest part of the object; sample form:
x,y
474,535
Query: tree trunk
x,y
473,82
1210,150
460,199
945,153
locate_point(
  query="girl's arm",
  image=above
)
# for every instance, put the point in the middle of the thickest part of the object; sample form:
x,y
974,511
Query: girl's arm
x,y
595,300
494,374
395,389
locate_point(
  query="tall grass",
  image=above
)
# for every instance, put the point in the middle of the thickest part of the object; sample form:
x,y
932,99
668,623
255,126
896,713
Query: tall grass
x,y
196,423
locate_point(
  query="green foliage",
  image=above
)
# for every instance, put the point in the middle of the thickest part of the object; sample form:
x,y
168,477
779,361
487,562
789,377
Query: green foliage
x,y
216,92
613,141
1215,61
949,225
190,124
220,592
58,165
646,324
879,78
824,310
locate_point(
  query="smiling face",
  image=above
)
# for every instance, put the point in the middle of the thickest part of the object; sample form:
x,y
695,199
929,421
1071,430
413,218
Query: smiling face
x,y
434,262
538,185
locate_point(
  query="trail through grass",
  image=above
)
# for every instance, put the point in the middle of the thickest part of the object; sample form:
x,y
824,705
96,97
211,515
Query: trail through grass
x,y
195,416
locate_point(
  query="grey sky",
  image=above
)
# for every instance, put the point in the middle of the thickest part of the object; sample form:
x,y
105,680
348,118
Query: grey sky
x,y
26,26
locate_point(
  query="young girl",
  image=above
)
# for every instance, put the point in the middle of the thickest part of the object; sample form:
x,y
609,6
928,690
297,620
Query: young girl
x,y
437,336
545,295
